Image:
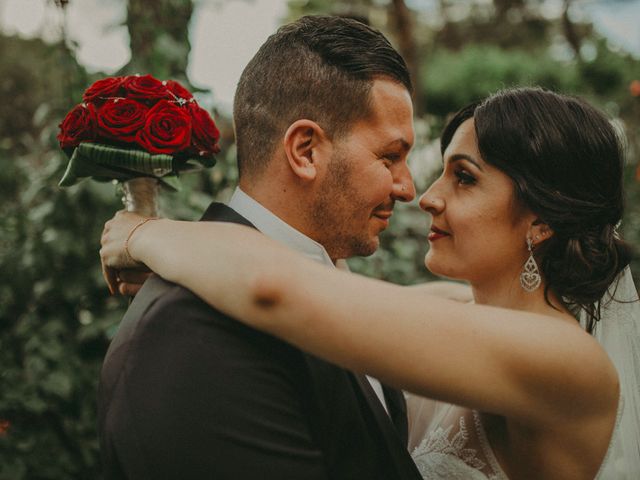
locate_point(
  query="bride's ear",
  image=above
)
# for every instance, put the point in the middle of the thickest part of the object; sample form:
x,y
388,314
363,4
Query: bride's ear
x,y
304,144
540,232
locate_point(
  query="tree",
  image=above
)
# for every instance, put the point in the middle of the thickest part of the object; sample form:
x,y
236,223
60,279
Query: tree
x,y
159,38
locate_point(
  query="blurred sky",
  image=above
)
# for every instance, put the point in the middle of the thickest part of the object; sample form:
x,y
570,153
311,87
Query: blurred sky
x,y
226,33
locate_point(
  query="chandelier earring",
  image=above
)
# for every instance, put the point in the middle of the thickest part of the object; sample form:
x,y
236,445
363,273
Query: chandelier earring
x,y
530,276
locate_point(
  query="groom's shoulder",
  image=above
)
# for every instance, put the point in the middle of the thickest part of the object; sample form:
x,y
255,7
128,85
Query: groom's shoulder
x,y
161,303
167,319
161,306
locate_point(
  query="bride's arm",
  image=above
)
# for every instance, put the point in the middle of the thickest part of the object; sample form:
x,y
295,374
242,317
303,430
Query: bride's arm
x,y
528,367
445,289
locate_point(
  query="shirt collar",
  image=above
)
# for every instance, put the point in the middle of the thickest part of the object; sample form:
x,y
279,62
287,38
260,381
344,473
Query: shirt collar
x,y
276,228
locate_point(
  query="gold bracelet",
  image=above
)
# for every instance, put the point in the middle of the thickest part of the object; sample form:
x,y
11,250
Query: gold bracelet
x,y
133,230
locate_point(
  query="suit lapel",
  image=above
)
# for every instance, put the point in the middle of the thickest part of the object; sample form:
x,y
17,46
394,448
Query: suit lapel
x,y
396,445
372,401
221,213
397,411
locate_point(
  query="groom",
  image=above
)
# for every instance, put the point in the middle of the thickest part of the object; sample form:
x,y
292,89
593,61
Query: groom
x,y
323,122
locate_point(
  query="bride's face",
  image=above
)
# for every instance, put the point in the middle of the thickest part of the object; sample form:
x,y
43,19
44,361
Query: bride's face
x,y
478,230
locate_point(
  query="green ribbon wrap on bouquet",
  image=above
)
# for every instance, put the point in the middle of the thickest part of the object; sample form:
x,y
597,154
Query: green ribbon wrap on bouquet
x,y
106,163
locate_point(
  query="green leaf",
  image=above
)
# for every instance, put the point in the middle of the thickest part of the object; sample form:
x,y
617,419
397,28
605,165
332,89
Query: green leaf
x,y
105,162
58,383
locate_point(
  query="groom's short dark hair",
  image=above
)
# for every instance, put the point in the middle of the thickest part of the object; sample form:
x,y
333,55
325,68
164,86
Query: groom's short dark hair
x,y
319,68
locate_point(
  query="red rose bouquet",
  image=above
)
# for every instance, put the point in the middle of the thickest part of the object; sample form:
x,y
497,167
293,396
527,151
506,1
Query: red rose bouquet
x,y
138,130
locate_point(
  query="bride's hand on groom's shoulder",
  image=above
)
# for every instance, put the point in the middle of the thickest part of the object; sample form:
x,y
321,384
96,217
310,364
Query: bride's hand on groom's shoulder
x,y
121,272
459,292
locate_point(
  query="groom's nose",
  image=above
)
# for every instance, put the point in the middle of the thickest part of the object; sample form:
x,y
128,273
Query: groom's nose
x,y
403,188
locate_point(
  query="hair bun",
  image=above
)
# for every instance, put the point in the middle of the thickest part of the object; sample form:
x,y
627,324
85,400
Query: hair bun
x,y
587,266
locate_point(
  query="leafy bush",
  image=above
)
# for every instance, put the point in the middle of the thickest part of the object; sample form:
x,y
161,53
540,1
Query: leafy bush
x,y
452,79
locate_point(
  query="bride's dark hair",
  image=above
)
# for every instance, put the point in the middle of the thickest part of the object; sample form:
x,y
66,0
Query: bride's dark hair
x,y
566,162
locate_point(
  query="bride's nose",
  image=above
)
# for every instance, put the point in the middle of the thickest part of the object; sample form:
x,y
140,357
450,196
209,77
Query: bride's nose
x,y
431,202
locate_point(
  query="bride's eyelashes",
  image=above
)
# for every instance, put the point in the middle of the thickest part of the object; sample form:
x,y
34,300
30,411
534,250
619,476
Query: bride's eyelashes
x,y
464,177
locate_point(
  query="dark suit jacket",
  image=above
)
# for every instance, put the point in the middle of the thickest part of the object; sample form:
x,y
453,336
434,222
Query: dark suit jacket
x,y
188,392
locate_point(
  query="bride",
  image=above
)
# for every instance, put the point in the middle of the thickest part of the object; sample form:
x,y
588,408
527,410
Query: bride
x,y
538,378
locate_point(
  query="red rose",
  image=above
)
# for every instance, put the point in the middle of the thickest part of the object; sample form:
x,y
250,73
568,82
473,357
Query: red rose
x,y
634,88
4,427
121,119
79,125
102,89
204,133
144,87
177,90
167,129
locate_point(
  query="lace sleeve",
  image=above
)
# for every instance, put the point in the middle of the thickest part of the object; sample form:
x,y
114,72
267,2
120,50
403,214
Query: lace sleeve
x,y
420,412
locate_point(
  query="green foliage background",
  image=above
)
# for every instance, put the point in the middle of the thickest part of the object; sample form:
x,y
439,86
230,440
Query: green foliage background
x,y
56,317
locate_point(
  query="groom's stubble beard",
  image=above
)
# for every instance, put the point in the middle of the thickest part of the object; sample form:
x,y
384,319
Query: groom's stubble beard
x,y
340,214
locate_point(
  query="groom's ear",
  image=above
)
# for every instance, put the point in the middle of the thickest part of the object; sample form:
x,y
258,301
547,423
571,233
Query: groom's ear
x,y
305,145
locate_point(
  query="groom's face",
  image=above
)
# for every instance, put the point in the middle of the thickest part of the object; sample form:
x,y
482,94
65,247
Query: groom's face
x,y
366,175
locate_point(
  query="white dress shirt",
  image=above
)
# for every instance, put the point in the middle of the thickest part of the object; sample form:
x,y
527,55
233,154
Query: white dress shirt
x,y
274,227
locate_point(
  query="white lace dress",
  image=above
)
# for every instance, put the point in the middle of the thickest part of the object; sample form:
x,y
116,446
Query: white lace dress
x,y
452,444
448,442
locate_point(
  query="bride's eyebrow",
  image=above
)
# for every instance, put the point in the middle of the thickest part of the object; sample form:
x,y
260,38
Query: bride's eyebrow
x,y
456,157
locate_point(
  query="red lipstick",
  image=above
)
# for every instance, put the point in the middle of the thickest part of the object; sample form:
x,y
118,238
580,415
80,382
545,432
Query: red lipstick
x,y
436,234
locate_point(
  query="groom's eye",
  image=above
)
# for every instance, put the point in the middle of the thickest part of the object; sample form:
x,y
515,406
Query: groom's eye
x,y
389,159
